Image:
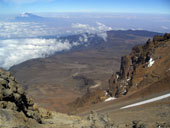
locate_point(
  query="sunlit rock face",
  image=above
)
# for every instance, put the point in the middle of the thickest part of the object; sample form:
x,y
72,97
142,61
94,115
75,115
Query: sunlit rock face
x,y
142,67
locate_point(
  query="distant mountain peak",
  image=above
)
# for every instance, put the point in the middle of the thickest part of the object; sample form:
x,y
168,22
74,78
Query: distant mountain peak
x,y
26,14
27,17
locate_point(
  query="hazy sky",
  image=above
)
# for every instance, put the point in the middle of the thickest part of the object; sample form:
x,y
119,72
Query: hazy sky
x,y
125,6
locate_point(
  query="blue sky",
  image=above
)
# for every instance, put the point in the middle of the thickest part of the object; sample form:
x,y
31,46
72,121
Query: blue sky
x,y
118,6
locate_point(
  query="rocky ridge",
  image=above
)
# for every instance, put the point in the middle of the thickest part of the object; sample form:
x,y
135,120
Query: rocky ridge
x,y
144,66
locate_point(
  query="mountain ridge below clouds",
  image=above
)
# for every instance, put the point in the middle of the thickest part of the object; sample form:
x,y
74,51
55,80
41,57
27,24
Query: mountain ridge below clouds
x,y
28,17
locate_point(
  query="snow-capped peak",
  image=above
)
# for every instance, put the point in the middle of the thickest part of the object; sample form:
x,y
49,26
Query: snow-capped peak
x,y
25,14
27,17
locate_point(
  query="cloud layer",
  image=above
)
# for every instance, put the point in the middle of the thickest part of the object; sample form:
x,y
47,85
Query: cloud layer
x,y
18,50
99,29
11,30
25,29
20,41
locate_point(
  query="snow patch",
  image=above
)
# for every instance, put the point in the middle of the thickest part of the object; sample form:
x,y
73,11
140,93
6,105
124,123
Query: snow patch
x,y
109,99
117,76
95,86
124,91
98,83
128,79
147,101
106,93
151,62
24,14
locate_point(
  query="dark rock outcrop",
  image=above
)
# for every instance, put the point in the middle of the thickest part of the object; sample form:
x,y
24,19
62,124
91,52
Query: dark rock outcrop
x,y
133,66
13,97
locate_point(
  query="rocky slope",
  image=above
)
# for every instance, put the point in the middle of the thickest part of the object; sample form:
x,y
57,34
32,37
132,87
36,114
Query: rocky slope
x,y
147,65
19,111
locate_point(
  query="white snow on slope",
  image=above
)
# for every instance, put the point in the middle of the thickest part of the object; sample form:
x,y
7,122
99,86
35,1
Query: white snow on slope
x,y
96,85
109,99
147,101
128,79
151,62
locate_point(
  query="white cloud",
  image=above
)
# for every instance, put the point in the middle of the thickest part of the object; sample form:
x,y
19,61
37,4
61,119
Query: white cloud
x,y
11,30
83,26
22,29
103,27
26,30
103,35
100,29
76,43
85,37
164,27
15,51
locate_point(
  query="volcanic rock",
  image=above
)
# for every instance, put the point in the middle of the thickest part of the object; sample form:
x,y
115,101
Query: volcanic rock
x,y
138,68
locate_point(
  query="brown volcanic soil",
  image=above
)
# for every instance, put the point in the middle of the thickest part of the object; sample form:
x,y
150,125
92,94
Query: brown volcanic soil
x,y
52,82
150,114
56,96
58,80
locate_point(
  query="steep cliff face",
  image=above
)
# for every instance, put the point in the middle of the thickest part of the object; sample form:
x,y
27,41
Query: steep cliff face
x,y
145,65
